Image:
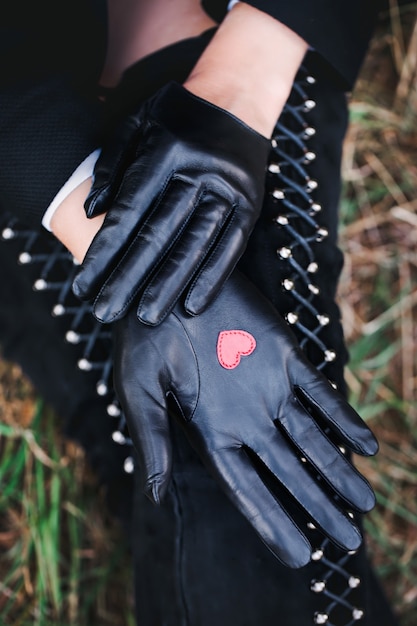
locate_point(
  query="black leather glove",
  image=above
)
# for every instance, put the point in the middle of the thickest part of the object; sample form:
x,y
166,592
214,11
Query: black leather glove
x,y
261,417
184,184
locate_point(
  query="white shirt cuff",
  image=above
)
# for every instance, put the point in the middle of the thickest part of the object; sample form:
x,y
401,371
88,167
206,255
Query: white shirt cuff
x,y
83,171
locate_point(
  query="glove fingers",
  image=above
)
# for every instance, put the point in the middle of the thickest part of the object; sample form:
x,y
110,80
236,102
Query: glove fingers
x,y
296,477
249,494
323,401
103,254
151,243
327,458
186,256
110,168
119,228
217,269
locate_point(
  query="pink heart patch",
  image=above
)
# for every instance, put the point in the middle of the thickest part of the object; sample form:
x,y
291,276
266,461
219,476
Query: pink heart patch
x,y
232,345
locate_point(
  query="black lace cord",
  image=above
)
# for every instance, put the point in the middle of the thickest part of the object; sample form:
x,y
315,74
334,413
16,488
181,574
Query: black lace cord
x,y
291,189
334,601
91,339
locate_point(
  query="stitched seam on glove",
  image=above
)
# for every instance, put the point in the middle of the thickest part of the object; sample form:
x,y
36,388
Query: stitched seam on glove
x,y
160,198
358,445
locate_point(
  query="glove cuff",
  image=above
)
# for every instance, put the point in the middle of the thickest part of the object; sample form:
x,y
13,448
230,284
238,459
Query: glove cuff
x,y
198,121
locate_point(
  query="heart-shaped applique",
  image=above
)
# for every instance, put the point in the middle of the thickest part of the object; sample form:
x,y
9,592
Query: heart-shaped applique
x,y
232,345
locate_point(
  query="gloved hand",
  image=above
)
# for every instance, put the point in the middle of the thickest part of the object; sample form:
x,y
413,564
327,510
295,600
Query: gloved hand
x,y
183,185
261,417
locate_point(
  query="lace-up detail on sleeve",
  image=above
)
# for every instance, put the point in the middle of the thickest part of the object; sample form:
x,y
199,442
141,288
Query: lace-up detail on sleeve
x,y
92,341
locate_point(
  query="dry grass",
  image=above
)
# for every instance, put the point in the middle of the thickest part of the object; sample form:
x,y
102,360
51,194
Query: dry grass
x,y
378,292
60,565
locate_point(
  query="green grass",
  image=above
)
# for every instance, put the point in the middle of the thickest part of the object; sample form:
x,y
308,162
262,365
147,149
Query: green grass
x,y
63,560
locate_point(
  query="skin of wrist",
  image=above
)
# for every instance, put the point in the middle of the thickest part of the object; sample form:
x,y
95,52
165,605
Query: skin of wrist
x,y
70,224
249,67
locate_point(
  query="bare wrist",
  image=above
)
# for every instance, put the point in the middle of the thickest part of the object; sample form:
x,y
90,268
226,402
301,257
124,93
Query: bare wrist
x,y
70,224
249,67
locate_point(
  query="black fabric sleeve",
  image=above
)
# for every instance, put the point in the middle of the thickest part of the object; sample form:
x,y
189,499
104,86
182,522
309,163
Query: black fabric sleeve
x,y
50,59
339,30
46,130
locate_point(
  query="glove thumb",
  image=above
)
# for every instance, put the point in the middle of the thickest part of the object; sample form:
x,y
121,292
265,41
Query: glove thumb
x,y
150,433
115,158
144,404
